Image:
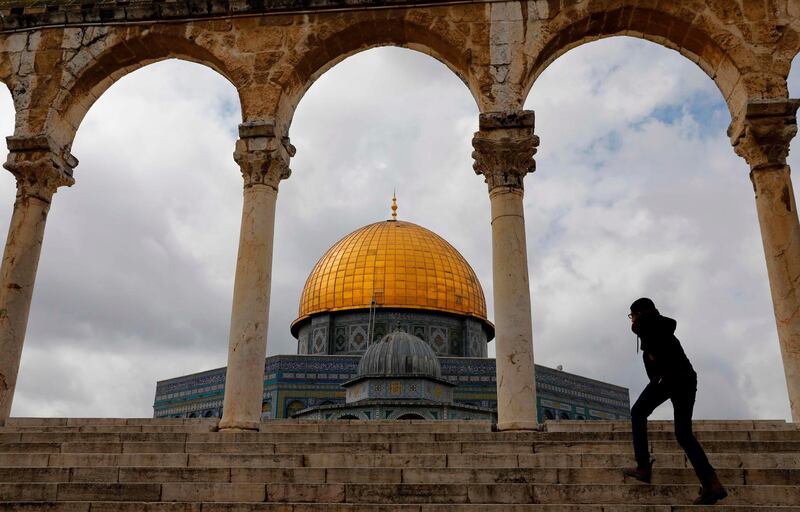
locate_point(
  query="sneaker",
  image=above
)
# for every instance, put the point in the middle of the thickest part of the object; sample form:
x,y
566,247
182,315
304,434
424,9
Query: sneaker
x,y
711,492
643,474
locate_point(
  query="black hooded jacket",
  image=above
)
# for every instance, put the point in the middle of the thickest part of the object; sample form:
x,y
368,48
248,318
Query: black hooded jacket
x,y
664,358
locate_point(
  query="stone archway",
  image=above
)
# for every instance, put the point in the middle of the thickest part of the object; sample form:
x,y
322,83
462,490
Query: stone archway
x,y
778,116
419,32
273,53
111,57
677,31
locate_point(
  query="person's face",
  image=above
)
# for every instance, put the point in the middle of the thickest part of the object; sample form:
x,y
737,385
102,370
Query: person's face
x,y
633,316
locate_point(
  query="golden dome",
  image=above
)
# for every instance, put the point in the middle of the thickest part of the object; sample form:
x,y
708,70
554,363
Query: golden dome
x,y
400,265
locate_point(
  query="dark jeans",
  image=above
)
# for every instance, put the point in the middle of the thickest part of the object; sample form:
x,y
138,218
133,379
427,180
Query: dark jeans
x,y
682,398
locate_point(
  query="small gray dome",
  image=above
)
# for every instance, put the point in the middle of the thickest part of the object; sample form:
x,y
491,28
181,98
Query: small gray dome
x,y
397,354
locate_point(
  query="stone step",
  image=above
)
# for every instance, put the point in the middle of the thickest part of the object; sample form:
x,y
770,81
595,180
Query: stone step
x,y
612,426
778,461
77,506
380,437
710,446
394,493
587,475
73,422
30,420
440,460
206,424
350,426
94,465
113,430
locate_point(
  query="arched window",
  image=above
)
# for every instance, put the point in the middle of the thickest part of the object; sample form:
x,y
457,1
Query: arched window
x,y
563,415
410,416
347,417
548,414
293,407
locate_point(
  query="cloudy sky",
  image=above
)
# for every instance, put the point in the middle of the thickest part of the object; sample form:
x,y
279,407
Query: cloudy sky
x,y
637,192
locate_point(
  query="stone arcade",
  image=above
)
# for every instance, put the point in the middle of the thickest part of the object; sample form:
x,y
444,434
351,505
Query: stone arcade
x,y
58,57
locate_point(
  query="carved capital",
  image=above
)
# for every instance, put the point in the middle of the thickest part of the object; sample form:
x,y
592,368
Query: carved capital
x,y
39,168
263,157
504,148
763,134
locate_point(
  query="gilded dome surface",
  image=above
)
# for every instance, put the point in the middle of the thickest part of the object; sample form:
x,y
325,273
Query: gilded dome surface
x,y
400,265
399,354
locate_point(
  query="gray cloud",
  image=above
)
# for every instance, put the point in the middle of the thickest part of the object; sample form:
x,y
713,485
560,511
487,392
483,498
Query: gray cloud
x,y
637,192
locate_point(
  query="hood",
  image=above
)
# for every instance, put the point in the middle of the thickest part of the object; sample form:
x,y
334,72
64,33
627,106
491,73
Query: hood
x,y
653,322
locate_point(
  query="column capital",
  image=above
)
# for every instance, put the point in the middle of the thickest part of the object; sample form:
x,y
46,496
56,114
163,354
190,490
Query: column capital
x,y
263,156
763,133
504,147
39,166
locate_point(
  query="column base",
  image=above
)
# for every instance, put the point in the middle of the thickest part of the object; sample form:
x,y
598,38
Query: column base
x,y
238,426
517,425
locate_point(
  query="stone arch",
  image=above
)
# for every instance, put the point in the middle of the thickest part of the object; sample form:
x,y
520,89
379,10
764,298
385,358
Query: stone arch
x,y
18,86
7,95
117,60
674,31
293,407
793,91
410,416
793,77
325,52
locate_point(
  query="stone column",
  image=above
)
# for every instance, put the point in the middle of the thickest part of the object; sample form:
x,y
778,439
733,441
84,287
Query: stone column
x,y
762,136
39,172
504,149
264,161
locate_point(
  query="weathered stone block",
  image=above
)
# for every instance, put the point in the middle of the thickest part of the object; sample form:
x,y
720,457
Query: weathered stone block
x,y
91,474
162,475
212,492
303,493
502,493
88,491
241,460
27,491
407,493
470,460
278,475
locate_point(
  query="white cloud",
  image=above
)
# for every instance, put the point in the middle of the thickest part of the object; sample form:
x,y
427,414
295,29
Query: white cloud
x,y
637,192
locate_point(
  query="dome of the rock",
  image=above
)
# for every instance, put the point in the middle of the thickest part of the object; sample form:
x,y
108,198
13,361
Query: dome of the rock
x,y
399,354
392,275
399,265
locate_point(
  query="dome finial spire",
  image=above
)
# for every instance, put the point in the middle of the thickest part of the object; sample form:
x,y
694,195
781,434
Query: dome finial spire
x,y
394,204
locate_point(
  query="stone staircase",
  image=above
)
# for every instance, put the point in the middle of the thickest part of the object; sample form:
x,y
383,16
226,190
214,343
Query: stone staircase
x,y
158,465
